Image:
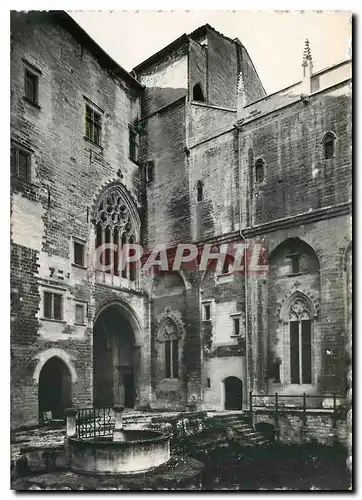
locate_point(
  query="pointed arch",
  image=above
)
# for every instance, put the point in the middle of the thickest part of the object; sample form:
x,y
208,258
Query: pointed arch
x,y
42,357
197,93
116,208
301,257
286,306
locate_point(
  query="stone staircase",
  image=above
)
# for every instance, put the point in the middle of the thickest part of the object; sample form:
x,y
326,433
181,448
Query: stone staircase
x,y
238,429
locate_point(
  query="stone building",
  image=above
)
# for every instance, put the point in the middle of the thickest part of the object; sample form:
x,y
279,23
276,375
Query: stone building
x,y
187,148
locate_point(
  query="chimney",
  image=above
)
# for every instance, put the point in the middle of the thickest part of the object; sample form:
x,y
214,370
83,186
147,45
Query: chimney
x,y
240,99
307,66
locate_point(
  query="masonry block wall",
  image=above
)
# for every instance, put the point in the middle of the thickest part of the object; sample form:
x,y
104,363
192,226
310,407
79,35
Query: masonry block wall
x,y
197,73
167,196
297,177
329,240
68,174
214,163
299,195
165,79
296,428
221,59
224,348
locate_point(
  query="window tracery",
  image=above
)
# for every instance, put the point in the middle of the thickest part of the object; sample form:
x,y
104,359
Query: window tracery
x,y
114,223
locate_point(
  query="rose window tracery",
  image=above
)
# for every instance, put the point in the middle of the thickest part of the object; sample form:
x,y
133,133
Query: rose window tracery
x,y
114,224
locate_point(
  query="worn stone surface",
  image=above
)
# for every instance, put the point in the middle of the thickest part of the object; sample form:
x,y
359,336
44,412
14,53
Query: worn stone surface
x,y
302,196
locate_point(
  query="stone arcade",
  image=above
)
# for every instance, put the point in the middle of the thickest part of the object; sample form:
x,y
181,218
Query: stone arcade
x,y
185,148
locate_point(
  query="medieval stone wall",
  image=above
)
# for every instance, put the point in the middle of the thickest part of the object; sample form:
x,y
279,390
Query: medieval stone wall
x,y
67,175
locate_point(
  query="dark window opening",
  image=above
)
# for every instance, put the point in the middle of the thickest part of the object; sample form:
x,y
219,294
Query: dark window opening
x,y
20,163
277,371
171,358
132,265
300,352
92,125
78,254
226,266
329,143
294,263
52,306
124,265
197,94
236,326
199,191
149,172
133,145
107,252
259,171
208,382
207,310
31,86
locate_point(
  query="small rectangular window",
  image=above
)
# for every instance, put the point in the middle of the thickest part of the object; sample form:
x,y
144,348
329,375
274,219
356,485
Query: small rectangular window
x,y
133,145
80,314
20,163
236,326
53,305
93,125
294,259
208,383
78,253
207,312
31,86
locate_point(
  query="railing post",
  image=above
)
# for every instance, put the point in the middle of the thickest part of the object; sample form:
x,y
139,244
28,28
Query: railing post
x,y
304,408
118,434
334,411
71,414
251,408
276,416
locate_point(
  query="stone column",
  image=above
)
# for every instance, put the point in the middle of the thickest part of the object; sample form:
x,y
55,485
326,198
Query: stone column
x,y
71,414
118,434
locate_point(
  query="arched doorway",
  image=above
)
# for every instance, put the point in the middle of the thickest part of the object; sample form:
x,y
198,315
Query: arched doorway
x,y
113,359
55,388
233,393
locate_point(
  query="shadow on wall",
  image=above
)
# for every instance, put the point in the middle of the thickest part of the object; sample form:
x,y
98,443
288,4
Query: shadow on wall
x,y
156,98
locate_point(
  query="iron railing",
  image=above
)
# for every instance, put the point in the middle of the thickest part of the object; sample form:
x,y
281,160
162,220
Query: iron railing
x,y
281,403
94,422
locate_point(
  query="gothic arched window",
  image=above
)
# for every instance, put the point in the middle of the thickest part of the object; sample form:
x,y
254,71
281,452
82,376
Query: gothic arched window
x,y
115,224
300,329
